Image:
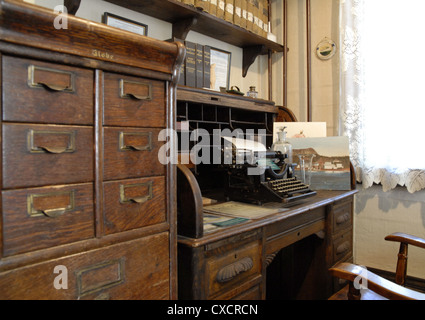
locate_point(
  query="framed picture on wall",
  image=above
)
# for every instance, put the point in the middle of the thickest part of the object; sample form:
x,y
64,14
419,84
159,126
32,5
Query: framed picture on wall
x,y
125,24
220,68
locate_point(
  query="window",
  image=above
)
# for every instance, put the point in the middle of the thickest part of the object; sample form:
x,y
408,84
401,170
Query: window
x,y
382,94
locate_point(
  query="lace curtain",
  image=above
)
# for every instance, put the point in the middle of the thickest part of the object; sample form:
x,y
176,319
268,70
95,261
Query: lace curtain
x,y
376,150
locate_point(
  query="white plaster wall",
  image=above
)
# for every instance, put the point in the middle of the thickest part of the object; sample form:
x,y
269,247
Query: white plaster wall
x,y
324,74
378,214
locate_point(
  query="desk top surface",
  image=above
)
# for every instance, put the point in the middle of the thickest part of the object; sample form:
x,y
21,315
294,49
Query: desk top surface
x,y
322,198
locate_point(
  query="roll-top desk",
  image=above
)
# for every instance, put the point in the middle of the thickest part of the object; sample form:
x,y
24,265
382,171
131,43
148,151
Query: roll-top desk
x,y
283,255
88,211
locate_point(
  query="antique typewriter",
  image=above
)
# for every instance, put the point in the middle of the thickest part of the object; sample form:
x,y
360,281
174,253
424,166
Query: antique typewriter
x,y
262,177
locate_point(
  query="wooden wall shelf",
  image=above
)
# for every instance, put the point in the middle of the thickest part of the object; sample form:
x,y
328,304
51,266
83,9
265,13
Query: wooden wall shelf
x,y
185,18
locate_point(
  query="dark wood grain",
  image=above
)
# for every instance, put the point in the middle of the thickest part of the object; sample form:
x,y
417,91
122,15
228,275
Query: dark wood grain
x,y
23,232
38,104
82,185
138,265
129,111
126,216
101,42
189,204
306,233
130,163
23,168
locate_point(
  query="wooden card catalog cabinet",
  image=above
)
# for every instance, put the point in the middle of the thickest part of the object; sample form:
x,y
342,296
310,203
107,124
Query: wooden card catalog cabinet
x,y
84,195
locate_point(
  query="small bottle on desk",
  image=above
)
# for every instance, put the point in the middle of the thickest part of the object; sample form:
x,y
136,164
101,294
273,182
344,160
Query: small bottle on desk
x,y
252,93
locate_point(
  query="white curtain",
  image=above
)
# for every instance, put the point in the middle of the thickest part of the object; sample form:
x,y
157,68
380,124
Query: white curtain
x,y
382,105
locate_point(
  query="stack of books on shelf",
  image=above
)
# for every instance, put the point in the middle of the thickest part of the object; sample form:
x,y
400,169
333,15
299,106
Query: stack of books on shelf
x,y
196,69
252,15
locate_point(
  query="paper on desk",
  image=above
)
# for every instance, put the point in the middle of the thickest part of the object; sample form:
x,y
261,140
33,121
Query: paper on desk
x,y
245,144
214,222
242,210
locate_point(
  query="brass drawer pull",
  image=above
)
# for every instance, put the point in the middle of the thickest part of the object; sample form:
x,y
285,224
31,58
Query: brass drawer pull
x,y
232,270
135,90
35,146
53,213
57,150
33,211
136,199
40,77
123,145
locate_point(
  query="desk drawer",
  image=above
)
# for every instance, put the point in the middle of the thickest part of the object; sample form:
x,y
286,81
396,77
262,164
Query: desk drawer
x,y
298,221
38,155
131,153
35,91
233,267
133,101
43,217
135,203
342,247
342,216
137,269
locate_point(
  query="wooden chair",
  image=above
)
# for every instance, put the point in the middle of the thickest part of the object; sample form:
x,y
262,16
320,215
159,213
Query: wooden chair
x,y
378,288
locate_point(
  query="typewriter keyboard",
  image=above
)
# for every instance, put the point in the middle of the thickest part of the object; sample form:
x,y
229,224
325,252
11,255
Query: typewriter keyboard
x,y
288,186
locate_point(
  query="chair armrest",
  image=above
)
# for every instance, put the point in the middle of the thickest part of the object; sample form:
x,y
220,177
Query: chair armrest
x,y
407,239
373,282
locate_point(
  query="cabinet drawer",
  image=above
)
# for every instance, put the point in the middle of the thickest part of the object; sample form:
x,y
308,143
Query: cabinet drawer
x,y
233,267
342,216
37,155
35,91
131,153
39,218
255,293
133,101
135,203
137,269
342,246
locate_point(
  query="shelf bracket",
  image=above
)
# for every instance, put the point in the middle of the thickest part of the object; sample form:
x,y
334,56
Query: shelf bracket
x,y
72,6
182,27
249,56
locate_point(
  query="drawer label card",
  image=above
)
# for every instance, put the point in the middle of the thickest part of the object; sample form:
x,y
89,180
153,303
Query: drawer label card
x,y
100,276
